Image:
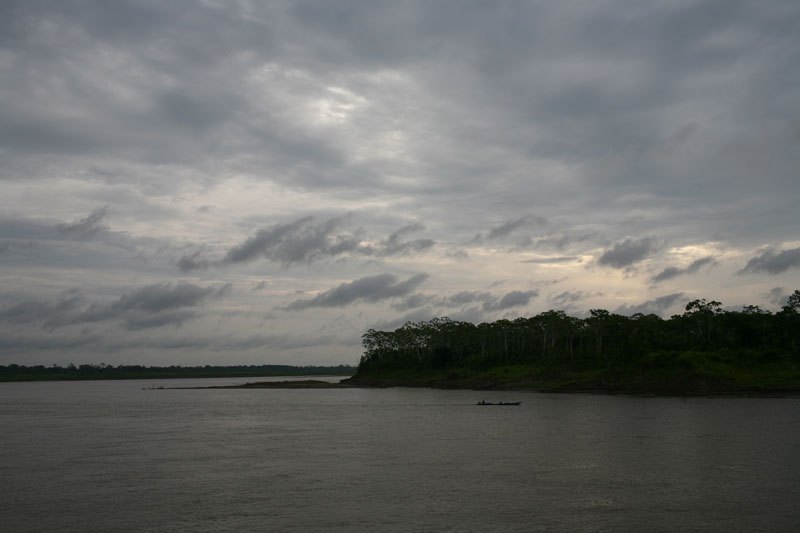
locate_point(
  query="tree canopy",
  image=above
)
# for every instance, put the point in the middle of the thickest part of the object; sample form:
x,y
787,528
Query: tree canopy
x,y
600,340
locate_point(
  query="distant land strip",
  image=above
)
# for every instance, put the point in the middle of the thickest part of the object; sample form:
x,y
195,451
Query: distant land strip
x,y
296,384
500,380
102,371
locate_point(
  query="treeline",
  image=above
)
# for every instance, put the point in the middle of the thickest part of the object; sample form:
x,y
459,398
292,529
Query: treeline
x,y
603,340
16,372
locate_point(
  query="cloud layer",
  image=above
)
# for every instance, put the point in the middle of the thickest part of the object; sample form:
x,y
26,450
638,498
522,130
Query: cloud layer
x,y
216,182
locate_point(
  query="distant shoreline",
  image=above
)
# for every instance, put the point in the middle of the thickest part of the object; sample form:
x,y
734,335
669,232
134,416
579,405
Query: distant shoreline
x,y
18,373
500,386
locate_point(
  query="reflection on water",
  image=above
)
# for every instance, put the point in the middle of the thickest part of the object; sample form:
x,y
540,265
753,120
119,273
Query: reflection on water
x,y
107,455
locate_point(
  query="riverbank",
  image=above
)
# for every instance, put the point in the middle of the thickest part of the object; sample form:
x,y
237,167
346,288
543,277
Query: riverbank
x,y
694,387
775,379
669,382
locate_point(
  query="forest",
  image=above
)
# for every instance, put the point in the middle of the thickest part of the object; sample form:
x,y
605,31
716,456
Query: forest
x,y
706,348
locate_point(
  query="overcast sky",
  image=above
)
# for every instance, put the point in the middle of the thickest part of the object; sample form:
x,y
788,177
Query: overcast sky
x,y
234,182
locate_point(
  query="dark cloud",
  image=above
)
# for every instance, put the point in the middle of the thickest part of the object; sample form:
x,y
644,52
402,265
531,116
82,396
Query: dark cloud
x,y
85,228
160,304
552,260
773,261
777,296
655,306
488,301
504,229
628,252
667,273
412,301
166,296
562,241
32,311
300,241
566,298
147,307
672,272
395,245
466,297
368,289
511,299
306,241
194,261
698,263
508,227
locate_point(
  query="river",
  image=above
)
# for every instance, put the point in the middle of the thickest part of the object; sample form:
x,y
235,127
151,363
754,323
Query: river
x,y
110,456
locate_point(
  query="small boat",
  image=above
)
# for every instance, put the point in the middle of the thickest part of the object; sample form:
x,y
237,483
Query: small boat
x,y
498,403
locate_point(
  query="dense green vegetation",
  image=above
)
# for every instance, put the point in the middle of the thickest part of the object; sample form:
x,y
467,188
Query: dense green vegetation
x,y
705,349
102,371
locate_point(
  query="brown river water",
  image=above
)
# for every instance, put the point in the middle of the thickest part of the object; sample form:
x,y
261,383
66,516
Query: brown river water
x,y
110,456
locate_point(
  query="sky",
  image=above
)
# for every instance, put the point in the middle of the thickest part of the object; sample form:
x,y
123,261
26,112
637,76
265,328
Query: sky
x,y
235,182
